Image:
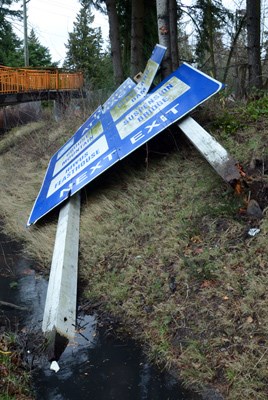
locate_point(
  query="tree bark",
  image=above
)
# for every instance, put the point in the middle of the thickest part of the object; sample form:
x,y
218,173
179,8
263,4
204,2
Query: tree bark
x,y
137,36
211,40
233,46
174,49
115,41
162,7
253,38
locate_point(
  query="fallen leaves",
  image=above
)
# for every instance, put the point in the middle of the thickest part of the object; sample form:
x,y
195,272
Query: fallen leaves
x,y
194,246
196,239
208,284
27,271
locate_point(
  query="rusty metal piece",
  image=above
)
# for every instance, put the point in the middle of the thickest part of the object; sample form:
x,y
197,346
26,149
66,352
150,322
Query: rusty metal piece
x,y
228,170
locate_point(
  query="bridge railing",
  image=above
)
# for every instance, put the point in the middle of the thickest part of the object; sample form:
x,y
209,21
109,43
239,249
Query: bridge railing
x,y
16,80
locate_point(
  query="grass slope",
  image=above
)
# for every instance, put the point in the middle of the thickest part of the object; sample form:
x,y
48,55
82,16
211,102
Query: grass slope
x,y
164,247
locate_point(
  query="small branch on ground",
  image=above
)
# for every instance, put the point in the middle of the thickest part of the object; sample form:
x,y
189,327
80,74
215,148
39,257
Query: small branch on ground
x,y
11,305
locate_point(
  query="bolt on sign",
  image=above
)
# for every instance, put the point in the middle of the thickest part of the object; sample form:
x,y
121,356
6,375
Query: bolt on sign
x,y
129,118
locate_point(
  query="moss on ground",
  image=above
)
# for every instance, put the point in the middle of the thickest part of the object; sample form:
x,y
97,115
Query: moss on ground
x,y
164,246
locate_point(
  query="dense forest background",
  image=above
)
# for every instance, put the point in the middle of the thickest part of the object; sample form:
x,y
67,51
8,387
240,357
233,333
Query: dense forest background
x,y
228,44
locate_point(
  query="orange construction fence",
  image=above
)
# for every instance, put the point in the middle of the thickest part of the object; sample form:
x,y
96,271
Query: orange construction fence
x,y
17,80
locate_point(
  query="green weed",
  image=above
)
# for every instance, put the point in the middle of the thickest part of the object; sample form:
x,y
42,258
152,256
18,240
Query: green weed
x,y
257,108
15,380
228,123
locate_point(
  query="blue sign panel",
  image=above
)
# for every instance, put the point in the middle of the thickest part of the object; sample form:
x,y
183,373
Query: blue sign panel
x,y
127,120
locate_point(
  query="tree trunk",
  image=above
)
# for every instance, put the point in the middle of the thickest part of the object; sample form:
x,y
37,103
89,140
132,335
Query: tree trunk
x,y
174,49
115,41
164,34
254,37
233,46
137,37
211,40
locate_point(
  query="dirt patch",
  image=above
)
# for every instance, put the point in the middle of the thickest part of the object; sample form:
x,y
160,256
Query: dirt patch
x,y
258,190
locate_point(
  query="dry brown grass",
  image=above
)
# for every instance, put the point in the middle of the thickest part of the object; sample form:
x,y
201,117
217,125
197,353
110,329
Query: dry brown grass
x,y
17,135
163,246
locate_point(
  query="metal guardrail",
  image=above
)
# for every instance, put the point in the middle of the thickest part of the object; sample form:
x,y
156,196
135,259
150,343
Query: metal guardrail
x,y
19,80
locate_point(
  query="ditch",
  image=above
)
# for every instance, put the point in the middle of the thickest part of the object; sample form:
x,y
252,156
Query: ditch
x,y
98,364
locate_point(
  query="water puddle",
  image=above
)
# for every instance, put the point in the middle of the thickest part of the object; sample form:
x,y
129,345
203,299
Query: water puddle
x,y
96,365
105,367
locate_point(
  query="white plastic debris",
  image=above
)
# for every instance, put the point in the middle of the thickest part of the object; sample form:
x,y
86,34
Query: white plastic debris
x,y
54,366
254,231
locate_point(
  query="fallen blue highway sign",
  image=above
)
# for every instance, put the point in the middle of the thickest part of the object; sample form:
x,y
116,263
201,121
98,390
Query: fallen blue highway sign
x,y
128,119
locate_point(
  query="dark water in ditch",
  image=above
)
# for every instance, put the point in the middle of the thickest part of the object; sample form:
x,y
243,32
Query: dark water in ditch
x,y
96,365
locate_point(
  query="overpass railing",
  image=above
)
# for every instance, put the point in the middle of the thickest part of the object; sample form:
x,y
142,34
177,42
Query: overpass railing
x,y
17,80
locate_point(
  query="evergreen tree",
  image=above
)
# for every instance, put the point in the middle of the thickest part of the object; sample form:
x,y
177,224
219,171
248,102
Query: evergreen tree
x,y
11,48
147,39
39,56
128,45
11,53
210,16
7,12
84,47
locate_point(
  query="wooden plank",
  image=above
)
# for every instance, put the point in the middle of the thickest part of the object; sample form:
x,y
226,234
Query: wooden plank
x,y
224,164
60,307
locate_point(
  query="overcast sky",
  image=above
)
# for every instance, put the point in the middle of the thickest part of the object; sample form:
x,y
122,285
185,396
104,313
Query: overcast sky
x,y
52,20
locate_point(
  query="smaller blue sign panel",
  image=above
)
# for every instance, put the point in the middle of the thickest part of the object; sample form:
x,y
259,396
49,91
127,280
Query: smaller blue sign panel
x,y
130,118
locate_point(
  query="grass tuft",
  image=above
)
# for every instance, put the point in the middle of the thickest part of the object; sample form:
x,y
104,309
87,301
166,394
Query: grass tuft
x,y
164,246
